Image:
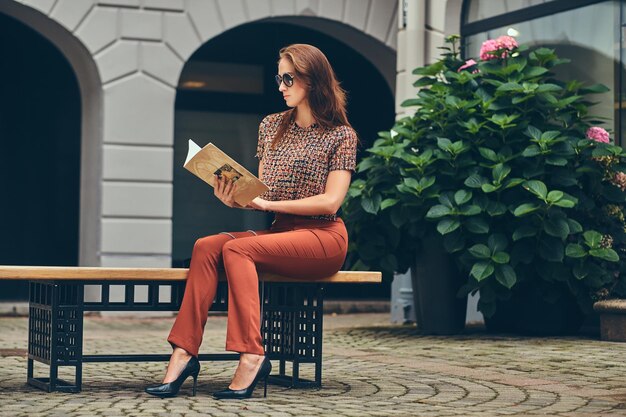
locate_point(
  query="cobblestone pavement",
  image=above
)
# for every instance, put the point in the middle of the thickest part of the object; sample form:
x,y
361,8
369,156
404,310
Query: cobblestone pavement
x,y
371,368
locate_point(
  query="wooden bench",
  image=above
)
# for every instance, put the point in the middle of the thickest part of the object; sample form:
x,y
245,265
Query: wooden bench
x,y
292,319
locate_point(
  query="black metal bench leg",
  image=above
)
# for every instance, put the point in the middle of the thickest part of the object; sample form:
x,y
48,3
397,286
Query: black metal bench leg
x,y
55,334
292,330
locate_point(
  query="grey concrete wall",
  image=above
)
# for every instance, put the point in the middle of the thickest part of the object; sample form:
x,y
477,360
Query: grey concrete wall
x,y
139,48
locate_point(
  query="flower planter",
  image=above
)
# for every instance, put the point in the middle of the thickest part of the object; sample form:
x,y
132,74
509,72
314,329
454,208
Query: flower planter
x,y
527,313
436,281
612,319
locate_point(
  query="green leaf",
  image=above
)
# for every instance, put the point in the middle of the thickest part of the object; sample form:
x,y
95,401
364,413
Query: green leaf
x,y
438,211
475,181
497,242
462,197
482,270
524,231
556,227
574,226
446,226
496,208
596,89
506,276
480,251
489,188
554,196
525,209
488,154
558,161
574,250
367,163
605,253
548,88
500,258
510,87
454,242
477,225
512,182
446,199
411,102
444,144
536,187
500,172
426,182
532,150
533,132
566,202
592,239
470,210
371,205
550,135
388,202
532,72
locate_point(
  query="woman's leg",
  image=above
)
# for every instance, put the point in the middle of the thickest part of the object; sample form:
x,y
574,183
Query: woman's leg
x,y
187,331
299,253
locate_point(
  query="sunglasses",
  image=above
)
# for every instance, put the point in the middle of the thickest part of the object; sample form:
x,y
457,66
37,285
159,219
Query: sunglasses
x,y
285,78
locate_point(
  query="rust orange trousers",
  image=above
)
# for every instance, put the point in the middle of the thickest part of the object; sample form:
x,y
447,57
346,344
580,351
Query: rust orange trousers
x,y
294,246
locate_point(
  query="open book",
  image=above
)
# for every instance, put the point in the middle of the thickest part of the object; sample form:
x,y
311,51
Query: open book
x,y
209,161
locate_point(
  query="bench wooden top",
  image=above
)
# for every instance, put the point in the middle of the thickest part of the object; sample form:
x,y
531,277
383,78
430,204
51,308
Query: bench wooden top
x,y
84,273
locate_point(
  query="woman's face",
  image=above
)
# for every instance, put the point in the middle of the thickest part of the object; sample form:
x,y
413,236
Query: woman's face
x,y
297,93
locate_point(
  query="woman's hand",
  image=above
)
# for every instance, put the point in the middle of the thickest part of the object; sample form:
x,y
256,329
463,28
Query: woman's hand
x,y
259,204
224,190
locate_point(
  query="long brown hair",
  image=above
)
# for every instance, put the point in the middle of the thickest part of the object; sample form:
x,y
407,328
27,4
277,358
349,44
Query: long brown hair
x,y
326,98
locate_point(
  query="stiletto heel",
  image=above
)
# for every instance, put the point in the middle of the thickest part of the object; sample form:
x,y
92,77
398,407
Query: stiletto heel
x,y
239,394
195,384
192,368
265,388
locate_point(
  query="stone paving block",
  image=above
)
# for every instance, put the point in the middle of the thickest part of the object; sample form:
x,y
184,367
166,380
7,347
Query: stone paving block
x,y
396,381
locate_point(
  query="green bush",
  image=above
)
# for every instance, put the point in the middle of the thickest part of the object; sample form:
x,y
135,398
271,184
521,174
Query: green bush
x,y
499,159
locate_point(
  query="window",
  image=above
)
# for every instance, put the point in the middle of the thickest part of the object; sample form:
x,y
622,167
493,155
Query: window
x,y
591,36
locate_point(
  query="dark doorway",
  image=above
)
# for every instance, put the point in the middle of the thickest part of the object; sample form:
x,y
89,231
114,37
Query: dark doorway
x,y
226,88
39,154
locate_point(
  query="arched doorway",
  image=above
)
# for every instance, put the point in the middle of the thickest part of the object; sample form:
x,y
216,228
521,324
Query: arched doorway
x,y
40,150
226,88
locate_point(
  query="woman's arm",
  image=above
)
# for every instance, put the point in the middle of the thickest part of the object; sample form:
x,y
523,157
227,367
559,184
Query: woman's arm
x,y
326,203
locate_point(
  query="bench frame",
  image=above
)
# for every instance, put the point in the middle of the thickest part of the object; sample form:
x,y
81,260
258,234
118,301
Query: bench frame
x,y
292,324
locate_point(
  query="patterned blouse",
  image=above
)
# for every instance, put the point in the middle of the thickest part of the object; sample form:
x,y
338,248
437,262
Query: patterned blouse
x,y
299,165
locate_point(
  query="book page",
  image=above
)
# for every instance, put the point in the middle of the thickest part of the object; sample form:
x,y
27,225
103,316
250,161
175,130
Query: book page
x,y
209,161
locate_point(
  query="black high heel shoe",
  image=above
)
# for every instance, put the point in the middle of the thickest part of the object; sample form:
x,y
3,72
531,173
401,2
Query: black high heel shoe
x,y
192,368
239,394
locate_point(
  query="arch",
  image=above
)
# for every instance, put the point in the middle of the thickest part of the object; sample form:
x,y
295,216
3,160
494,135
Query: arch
x,y
88,78
376,52
345,20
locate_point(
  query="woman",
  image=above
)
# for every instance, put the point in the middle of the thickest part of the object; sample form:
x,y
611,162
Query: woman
x,y
307,155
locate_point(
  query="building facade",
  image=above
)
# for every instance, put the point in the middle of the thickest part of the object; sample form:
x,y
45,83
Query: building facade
x,y
100,97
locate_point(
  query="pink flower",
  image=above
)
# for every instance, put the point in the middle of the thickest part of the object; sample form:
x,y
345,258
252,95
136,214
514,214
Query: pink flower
x,y
619,179
507,42
598,134
468,63
490,48
490,45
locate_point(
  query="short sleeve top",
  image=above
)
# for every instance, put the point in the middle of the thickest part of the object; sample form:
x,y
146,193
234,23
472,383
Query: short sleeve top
x,y
298,166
